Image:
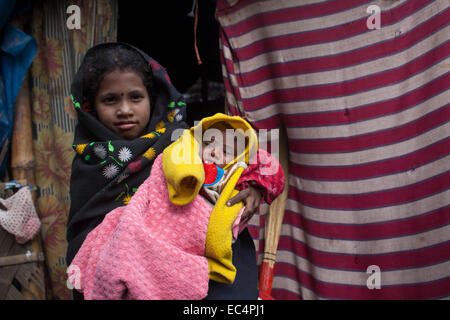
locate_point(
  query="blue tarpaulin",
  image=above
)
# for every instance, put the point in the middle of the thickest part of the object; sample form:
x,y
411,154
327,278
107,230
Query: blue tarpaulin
x,y
17,51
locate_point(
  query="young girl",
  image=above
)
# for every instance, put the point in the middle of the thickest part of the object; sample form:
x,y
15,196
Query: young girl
x,y
127,111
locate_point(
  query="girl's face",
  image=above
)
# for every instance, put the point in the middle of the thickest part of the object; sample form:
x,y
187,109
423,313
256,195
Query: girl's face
x,y
122,104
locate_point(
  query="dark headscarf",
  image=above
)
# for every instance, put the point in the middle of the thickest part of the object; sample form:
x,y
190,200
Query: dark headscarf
x,y
107,169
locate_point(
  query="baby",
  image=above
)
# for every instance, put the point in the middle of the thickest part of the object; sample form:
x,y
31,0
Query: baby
x,y
220,146
212,157
218,155
222,151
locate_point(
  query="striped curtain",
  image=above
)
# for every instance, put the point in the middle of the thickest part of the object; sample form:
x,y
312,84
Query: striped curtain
x,y
59,55
367,117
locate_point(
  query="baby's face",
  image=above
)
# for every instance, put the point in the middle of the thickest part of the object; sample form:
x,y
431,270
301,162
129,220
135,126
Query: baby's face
x,y
219,149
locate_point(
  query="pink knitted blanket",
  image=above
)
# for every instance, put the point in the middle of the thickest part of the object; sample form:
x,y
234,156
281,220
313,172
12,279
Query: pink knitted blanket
x,y
149,249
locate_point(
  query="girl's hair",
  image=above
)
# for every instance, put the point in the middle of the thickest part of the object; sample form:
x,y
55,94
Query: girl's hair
x,y
108,59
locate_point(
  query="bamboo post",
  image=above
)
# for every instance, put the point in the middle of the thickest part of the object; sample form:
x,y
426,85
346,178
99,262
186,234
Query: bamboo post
x,y
273,225
22,165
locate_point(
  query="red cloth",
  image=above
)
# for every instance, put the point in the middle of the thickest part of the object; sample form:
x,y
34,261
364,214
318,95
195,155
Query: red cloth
x,y
264,174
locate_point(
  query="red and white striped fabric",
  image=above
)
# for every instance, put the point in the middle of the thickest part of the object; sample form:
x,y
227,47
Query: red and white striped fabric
x,y
367,117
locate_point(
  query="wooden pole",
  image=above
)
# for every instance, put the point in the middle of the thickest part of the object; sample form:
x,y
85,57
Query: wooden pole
x,y
21,258
22,157
273,225
22,166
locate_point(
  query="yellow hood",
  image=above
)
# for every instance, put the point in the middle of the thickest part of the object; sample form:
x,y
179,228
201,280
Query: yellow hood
x,y
238,124
182,162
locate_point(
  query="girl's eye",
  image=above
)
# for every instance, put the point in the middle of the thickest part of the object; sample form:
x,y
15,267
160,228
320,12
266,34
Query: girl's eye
x,y
136,97
109,100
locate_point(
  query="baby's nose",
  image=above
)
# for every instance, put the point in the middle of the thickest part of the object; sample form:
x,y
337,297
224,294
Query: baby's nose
x,y
209,153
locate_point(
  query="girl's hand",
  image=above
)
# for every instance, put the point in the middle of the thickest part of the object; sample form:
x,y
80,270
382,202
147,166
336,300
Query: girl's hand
x,y
251,198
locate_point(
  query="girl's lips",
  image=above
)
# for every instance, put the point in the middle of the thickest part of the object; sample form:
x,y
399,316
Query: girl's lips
x,y
126,126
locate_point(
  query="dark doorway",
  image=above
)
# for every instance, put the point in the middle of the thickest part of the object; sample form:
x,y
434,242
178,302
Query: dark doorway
x,y
165,30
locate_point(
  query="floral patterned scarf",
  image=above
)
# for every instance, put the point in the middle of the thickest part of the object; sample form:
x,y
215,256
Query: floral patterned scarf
x,y
107,170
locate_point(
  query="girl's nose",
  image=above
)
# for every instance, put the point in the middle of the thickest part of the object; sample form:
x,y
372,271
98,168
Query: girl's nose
x,y
124,109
